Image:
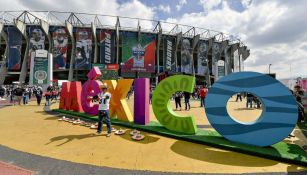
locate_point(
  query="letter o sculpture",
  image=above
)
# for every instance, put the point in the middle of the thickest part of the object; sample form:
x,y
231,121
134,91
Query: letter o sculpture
x,y
279,116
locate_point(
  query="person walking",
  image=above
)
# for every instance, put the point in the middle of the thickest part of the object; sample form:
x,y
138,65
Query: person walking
x,y
104,107
239,96
150,95
39,95
298,94
18,93
25,96
178,96
47,96
187,97
249,100
203,94
2,92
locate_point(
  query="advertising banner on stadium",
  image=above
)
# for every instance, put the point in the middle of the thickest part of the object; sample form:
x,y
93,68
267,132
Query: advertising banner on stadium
x,y
216,55
39,67
59,36
36,40
169,43
138,55
303,84
186,56
108,72
220,68
236,59
202,57
14,45
227,53
83,54
106,40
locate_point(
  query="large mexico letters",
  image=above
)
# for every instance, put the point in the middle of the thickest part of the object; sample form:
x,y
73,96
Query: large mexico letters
x,y
275,123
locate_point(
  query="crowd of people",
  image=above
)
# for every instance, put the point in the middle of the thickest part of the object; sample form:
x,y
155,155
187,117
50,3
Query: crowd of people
x,y
22,94
200,93
252,101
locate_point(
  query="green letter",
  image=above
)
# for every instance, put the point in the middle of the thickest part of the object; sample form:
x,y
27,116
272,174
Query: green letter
x,y
162,108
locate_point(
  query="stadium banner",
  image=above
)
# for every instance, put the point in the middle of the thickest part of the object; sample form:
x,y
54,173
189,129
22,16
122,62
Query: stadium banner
x,y
36,40
216,55
138,56
169,43
227,53
106,40
39,68
236,64
84,50
186,56
220,68
59,37
303,84
14,45
108,71
202,57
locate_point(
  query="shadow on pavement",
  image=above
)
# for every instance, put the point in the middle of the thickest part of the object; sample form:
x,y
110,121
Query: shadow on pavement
x,y
208,154
69,138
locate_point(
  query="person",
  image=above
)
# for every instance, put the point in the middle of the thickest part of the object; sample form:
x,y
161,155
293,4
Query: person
x,y
187,97
299,93
38,95
18,91
11,95
257,102
150,95
30,92
54,94
178,96
104,107
47,96
203,94
2,92
249,100
239,96
25,96
130,93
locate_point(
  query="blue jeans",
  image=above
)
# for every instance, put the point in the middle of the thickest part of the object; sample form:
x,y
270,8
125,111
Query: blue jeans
x,y
25,100
104,114
249,101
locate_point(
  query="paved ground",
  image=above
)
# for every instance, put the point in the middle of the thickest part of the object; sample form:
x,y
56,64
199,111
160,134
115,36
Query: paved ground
x,y
29,129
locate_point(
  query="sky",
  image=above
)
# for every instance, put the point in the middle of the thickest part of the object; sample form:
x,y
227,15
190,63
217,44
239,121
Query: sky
x,y
275,31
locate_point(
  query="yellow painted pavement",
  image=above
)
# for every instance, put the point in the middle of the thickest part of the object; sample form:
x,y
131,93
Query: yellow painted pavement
x,y
29,129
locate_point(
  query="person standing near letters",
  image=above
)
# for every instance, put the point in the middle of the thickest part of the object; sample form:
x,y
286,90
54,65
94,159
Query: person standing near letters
x,y
104,107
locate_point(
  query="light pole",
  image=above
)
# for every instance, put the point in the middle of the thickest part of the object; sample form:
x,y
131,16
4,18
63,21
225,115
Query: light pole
x,y
270,68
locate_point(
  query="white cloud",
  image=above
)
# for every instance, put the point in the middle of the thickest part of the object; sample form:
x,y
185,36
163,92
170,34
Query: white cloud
x,y
180,4
210,4
165,9
246,3
275,31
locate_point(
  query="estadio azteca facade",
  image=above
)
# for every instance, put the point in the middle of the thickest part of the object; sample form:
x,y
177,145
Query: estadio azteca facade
x,y
139,51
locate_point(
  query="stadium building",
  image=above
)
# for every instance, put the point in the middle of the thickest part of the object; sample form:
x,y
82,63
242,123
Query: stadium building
x,y
122,47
